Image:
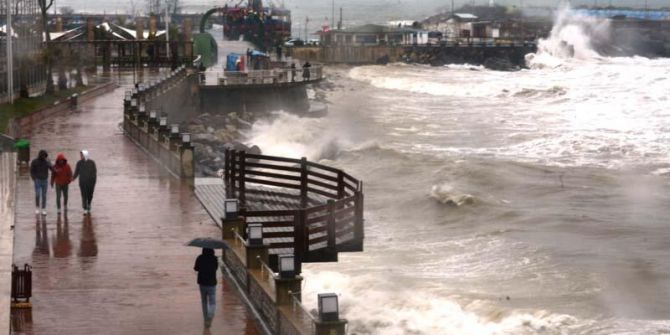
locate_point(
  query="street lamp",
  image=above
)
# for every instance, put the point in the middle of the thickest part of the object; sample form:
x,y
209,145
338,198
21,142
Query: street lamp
x,y
255,234
328,307
286,266
163,121
186,138
230,207
174,129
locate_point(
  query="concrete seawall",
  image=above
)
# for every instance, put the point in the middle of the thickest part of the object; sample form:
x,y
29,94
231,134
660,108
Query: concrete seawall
x,y
498,57
222,100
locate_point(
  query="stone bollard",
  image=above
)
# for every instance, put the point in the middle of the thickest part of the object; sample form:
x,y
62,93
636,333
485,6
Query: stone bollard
x,y
152,123
330,327
187,160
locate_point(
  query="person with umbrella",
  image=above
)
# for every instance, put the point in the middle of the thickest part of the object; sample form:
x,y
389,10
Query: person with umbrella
x,y
206,265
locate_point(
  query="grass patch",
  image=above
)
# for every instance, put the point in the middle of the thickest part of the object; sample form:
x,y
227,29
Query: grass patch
x,y
25,106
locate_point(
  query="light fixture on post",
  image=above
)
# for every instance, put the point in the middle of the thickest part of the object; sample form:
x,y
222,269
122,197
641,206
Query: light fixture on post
x,y
286,266
186,139
328,307
162,122
231,208
174,129
152,115
255,234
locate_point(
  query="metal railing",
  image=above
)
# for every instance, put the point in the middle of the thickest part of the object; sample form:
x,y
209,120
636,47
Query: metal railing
x,y
300,312
262,77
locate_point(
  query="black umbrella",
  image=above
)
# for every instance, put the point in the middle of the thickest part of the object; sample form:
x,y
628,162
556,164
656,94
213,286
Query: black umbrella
x,y
207,242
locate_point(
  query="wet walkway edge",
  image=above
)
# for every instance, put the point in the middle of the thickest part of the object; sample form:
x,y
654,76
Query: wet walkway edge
x,y
7,215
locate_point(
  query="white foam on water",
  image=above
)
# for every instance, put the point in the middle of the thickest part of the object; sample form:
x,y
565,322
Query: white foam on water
x,y
375,305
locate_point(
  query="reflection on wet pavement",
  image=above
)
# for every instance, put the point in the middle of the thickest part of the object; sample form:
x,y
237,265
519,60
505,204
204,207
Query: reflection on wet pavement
x,y
124,269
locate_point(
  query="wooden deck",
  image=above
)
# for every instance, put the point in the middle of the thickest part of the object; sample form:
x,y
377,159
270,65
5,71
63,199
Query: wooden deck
x,y
307,209
212,191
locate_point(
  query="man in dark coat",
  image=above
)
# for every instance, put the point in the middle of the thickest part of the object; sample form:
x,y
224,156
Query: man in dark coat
x,y
88,174
39,173
206,265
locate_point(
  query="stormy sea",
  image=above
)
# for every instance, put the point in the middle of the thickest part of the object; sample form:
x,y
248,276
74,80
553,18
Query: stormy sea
x,y
529,202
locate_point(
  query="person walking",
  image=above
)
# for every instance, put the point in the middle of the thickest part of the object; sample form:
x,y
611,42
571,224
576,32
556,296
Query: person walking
x,y
87,173
206,265
61,176
39,173
306,71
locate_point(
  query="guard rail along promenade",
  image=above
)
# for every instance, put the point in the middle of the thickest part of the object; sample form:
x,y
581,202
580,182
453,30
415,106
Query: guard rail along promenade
x,y
280,76
149,129
290,211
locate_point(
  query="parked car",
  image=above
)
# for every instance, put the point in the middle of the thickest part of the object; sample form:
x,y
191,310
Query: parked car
x,y
294,42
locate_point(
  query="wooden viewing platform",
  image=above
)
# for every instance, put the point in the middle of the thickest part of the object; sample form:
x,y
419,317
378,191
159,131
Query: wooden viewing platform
x,y
307,209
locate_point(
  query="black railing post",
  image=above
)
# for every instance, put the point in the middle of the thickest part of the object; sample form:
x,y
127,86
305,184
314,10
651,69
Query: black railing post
x,y
303,182
226,166
358,219
233,171
301,239
340,184
243,197
331,225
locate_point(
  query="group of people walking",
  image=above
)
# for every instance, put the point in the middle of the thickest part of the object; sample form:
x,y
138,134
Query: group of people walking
x,y
61,177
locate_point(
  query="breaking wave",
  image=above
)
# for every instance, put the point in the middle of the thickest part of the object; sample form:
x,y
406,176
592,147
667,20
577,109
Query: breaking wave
x,y
445,194
570,38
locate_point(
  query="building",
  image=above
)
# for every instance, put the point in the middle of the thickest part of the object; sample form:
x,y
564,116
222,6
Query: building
x,y
373,34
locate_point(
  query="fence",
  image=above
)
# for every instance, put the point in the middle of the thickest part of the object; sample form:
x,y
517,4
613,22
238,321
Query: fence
x,y
327,203
284,75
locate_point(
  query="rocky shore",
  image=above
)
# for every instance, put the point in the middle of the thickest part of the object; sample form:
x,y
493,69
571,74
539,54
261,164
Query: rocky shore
x,y
494,58
212,134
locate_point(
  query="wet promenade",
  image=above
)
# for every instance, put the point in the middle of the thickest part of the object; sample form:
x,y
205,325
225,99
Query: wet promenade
x,y
124,270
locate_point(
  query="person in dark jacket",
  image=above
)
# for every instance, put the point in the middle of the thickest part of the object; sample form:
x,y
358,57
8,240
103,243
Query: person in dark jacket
x,y
88,174
306,71
39,173
206,265
61,176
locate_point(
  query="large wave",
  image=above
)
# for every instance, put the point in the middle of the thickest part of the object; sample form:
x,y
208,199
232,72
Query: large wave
x,y
571,38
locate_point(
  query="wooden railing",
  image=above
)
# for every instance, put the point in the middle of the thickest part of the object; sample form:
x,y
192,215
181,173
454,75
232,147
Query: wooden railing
x,y
314,209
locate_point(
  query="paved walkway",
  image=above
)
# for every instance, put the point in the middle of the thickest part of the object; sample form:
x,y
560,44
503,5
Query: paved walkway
x,y
124,270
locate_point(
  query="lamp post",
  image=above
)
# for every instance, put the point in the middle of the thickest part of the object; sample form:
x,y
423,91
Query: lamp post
x,y
10,53
255,234
286,266
328,307
231,208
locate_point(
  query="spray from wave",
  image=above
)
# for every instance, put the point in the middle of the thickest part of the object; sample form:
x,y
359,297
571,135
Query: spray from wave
x,y
572,37
409,312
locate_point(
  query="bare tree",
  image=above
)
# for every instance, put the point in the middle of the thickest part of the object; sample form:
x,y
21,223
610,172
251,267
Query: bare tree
x,y
66,10
44,9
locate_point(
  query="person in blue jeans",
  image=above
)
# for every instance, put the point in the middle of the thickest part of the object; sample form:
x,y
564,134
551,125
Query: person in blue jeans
x,y
39,173
206,265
